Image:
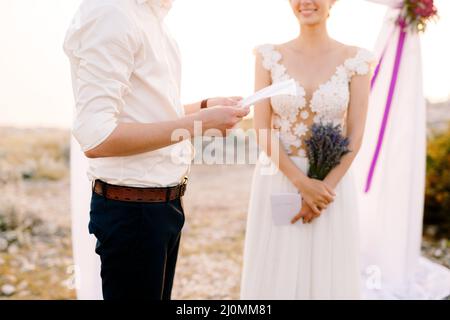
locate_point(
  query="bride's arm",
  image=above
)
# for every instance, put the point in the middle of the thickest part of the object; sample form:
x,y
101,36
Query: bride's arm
x,y
356,121
313,191
266,137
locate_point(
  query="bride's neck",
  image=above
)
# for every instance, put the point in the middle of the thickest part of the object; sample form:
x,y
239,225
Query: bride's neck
x,y
313,38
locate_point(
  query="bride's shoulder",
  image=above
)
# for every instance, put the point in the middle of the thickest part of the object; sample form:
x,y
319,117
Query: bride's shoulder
x,y
360,60
360,53
271,48
351,51
264,49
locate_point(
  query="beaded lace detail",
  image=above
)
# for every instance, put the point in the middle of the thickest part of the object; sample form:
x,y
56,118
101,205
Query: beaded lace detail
x,y
293,116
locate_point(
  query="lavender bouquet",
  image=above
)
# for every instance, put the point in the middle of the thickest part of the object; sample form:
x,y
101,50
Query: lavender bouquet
x,y
325,148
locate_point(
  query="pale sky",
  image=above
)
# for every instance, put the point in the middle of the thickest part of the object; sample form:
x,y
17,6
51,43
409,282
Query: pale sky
x,y
216,38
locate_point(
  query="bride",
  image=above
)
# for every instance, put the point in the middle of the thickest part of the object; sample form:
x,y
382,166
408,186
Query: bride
x,y
316,255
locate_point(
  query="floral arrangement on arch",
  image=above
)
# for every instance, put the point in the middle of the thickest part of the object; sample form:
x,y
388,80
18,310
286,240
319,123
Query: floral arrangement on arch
x,y
417,14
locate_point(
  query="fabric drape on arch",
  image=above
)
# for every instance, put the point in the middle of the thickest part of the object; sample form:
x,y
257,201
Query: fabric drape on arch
x,y
86,262
390,169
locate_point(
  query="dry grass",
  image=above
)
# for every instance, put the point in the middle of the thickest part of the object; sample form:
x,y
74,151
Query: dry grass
x,y
35,186
33,154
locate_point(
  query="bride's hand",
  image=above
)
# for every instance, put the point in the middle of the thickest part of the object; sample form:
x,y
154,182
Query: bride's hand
x,y
224,101
306,213
317,194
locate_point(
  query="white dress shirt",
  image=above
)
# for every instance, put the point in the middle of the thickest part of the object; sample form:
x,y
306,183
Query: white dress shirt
x,y
126,68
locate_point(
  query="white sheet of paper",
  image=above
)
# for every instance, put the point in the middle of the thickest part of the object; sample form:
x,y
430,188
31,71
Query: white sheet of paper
x,y
287,87
285,206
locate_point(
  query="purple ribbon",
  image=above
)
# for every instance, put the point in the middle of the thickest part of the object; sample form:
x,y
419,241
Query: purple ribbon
x,y
377,70
398,58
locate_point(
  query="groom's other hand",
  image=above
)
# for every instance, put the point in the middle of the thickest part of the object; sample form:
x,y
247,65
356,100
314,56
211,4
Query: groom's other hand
x,y
218,120
224,101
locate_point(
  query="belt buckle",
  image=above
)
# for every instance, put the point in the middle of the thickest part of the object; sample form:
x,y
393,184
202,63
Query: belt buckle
x,y
183,186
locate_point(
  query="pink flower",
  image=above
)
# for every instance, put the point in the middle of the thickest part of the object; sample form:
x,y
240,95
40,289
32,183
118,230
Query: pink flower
x,y
421,9
417,13
425,8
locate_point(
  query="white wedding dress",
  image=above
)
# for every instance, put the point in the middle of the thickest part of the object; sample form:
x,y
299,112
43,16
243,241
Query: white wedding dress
x,y
304,261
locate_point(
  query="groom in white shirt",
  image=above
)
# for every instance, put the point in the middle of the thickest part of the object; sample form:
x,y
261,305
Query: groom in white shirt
x,y
126,79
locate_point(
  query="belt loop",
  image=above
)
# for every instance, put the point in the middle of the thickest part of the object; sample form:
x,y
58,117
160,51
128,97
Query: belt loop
x,y
168,194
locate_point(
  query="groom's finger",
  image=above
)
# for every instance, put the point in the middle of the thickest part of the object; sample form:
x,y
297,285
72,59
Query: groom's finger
x,y
232,101
241,112
236,98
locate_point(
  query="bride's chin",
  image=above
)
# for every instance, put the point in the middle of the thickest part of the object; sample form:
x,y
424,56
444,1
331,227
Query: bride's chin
x,y
309,22
312,20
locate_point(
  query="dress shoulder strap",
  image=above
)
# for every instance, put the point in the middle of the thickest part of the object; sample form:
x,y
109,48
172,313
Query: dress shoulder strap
x,y
270,56
363,62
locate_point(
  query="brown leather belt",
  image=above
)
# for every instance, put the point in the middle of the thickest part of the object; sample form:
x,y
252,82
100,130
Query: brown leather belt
x,y
134,194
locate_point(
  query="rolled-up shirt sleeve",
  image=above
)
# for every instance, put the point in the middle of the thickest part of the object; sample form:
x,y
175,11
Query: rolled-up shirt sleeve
x,y
101,44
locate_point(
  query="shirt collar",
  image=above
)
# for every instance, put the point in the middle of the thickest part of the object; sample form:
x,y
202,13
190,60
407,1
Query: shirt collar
x,y
160,7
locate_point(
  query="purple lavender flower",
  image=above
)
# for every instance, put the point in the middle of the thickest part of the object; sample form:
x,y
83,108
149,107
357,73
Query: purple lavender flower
x,y
325,148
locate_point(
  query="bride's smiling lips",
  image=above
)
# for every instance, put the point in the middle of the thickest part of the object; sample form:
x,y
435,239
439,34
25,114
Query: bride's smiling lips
x,y
306,12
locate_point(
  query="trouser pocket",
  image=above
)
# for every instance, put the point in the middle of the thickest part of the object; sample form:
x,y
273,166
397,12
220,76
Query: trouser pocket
x,y
114,224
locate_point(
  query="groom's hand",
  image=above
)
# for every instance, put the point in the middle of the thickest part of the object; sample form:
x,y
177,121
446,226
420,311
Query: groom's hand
x,y
224,101
219,120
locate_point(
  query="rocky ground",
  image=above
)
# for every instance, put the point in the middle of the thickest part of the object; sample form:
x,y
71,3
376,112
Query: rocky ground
x,y
35,251
35,238
35,242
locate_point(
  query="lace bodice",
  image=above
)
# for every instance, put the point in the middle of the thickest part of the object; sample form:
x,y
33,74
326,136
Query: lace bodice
x,y
294,116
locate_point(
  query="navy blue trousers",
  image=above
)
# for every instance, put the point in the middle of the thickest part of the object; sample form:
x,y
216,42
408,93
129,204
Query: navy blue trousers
x,y
138,246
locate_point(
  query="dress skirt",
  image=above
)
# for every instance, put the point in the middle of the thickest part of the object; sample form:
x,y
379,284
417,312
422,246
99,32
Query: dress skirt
x,y
319,260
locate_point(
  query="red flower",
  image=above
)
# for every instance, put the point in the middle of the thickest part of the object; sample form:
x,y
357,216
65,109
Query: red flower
x,y
418,12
